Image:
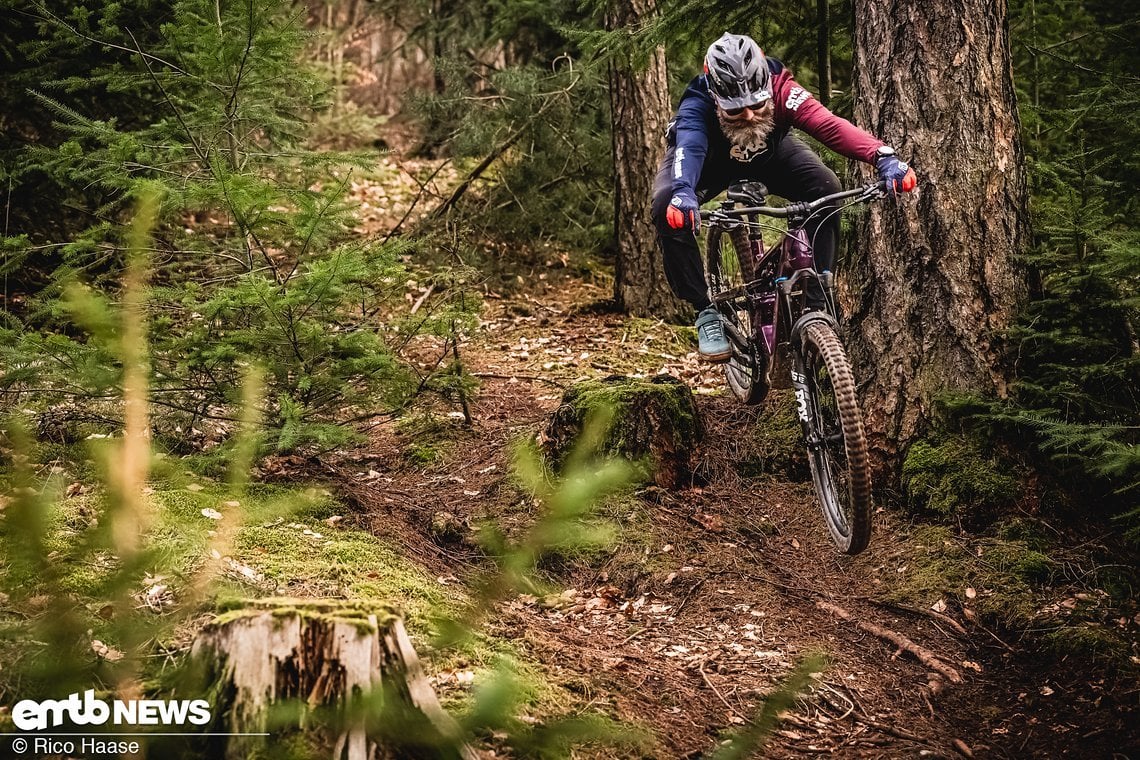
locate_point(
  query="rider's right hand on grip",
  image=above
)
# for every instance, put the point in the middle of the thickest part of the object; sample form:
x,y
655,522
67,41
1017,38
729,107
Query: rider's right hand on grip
x,y
683,213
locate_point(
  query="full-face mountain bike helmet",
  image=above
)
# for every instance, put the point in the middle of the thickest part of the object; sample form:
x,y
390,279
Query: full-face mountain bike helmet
x,y
737,73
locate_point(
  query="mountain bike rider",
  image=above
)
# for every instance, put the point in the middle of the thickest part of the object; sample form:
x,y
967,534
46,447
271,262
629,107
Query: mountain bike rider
x,y
733,124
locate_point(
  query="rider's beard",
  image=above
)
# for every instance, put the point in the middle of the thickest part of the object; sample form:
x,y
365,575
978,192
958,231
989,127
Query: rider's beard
x,y
749,137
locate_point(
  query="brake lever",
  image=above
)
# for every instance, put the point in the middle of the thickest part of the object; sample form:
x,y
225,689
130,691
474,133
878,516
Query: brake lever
x,y
873,193
727,221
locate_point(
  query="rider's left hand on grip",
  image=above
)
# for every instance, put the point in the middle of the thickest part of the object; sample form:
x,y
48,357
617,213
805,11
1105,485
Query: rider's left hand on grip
x,y
683,213
907,183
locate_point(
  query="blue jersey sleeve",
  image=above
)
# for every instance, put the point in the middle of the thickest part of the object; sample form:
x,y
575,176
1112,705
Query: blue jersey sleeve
x,y
692,143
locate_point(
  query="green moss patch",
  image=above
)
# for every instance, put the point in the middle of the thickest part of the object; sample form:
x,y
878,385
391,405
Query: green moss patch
x,y
1013,580
775,444
957,475
991,577
427,438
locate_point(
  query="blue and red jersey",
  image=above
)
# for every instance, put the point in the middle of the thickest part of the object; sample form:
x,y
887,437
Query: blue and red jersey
x,y
696,132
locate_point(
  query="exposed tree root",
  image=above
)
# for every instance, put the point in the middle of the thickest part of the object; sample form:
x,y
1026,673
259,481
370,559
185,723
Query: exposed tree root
x,y
924,655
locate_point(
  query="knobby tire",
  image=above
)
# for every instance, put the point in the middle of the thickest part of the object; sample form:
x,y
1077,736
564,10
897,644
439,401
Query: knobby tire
x,y
841,474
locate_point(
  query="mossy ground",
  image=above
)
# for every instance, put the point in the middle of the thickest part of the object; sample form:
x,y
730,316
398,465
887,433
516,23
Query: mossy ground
x,y
1014,580
959,475
267,540
427,438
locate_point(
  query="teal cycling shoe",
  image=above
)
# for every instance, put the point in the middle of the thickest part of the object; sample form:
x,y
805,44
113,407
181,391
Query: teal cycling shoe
x,y
711,340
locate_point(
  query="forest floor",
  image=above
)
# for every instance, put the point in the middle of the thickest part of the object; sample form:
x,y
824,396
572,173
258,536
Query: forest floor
x,y
711,595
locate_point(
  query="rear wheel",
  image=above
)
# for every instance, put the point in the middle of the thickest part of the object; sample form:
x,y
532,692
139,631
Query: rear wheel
x,y
837,447
729,267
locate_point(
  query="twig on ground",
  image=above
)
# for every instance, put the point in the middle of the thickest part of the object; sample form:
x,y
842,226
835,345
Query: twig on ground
x,y
887,729
958,627
701,668
924,655
633,636
688,596
420,301
995,637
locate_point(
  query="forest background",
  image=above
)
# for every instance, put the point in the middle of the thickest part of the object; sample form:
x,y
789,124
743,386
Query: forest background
x,y
192,165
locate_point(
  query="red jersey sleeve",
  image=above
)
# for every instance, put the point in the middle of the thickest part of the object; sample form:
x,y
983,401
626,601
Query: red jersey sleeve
x,y
796,106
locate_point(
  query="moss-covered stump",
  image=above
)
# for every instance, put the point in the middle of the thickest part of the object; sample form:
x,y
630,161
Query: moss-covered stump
x,y
654,420
275,665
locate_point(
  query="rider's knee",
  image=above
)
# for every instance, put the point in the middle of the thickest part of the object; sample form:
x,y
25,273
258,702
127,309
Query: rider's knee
x,y
827,183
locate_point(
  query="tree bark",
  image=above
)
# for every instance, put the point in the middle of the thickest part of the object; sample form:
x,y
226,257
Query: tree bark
x,y
823,51
935,281
639,110
654,420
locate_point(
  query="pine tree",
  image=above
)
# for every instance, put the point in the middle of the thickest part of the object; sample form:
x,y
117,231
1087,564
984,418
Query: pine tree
x,y
254,257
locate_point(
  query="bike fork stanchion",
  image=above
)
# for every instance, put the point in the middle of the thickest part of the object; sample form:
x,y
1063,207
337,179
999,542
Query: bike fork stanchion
x,y
804,411
803,404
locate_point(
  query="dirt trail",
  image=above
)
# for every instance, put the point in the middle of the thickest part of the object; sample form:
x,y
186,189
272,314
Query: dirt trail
x,y
714,594
728,586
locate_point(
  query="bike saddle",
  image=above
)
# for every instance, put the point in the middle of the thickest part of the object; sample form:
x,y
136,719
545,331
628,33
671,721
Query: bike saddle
x,y
749,193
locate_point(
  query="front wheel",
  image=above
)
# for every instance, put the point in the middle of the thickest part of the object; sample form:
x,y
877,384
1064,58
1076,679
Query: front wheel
x,y
833,427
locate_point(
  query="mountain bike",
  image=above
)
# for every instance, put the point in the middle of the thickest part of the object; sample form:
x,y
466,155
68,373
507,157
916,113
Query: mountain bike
x,y
782,321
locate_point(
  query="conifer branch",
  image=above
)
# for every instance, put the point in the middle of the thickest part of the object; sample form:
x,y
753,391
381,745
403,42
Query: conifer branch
x,y
49,16
313,227
170,101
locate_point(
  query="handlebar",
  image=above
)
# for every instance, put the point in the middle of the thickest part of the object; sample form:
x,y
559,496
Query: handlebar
x,y
870,191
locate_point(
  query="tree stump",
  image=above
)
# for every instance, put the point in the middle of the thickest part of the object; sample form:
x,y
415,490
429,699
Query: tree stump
x,y
653,419
352,667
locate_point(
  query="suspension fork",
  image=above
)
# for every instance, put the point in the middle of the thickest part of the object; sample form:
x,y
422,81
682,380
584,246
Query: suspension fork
x,y
804,410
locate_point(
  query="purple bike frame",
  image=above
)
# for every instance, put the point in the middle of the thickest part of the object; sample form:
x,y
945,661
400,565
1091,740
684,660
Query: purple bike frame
x,y
794,254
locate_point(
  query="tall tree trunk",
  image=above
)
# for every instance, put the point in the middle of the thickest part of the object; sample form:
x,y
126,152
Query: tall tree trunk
x,y
639,107
935,279
823,51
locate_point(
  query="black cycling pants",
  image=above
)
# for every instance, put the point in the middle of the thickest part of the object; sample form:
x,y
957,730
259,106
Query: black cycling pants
x,y
791,170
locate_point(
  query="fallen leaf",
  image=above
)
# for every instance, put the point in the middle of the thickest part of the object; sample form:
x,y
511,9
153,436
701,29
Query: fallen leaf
x,y
971,593
104,652
939,606
1045,691
712,523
